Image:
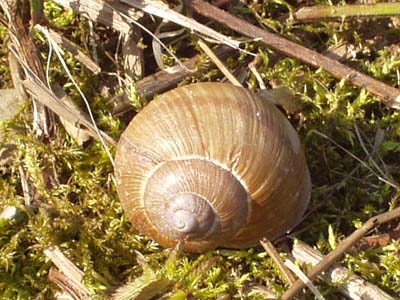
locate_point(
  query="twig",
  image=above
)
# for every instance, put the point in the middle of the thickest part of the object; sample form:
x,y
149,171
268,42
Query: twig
x,y
219,63
92,41
389,95
321,13
37,11
69,277
342,248
270,249
350,285
69,288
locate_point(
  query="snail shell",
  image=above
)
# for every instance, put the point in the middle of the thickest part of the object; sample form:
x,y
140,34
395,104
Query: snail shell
x,y
211,165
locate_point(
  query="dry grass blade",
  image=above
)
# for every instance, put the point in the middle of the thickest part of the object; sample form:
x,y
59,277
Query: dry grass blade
x,y
17,76
156,45
253,69
303,277
46,96
26,190
159,9
219,63
388,181
371,159
57,50
132,53
24,45
74,50
102,12
117,16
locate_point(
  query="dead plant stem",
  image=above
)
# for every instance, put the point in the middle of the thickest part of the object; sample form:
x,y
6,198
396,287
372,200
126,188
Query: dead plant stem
x,y
342,248
389,95
321,13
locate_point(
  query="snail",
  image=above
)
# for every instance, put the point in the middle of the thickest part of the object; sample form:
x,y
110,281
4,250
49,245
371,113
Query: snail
x,y
211,165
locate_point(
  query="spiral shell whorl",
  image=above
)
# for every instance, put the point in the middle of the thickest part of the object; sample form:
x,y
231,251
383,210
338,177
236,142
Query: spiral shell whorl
x,y
187,199
183,221
190,215
212,164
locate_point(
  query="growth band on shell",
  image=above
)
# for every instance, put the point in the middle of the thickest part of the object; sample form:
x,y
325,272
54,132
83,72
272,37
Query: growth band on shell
x,y
213,165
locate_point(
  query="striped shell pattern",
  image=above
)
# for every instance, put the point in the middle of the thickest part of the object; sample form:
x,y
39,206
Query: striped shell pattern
x,y
211,165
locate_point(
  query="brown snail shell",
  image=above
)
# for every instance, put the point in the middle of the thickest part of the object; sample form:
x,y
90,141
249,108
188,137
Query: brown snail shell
x,y
210,164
